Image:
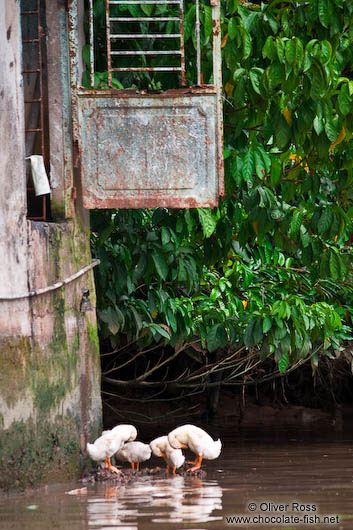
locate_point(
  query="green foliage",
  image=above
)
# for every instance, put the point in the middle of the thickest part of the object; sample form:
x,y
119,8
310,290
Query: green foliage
x,y
281,239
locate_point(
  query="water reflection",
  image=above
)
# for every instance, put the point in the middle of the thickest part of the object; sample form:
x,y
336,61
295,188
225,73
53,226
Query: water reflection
x,y
317,473
175,500
194,501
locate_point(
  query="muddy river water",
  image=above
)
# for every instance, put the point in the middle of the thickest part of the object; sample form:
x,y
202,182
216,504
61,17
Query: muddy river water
x,y
290,484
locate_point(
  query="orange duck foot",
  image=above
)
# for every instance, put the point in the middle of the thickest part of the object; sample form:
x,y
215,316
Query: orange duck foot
x,y
109,466
133,466
196,464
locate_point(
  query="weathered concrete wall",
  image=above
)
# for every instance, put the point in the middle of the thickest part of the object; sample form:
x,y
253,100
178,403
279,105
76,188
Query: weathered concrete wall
x,y
49,354
49,382
13,233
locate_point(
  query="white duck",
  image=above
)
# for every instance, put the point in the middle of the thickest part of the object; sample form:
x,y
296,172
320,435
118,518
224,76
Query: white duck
x,y
134,452
173,457
109,443
198,441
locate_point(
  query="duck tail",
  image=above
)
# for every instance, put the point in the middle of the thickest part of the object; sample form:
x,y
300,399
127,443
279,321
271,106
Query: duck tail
x,y
91,450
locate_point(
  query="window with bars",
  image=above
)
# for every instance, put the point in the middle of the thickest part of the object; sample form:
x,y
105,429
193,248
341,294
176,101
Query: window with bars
x,y
129,38
35,100
148,34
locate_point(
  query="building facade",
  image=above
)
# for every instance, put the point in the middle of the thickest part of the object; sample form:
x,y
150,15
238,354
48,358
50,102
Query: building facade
x,y
50,402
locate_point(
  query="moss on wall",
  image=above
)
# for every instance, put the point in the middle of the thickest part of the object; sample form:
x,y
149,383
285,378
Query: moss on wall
x,y
31,453
57,209
47,395
16,363
93,334
43,414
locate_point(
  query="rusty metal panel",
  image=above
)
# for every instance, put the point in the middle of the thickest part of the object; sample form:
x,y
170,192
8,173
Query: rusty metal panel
x,y
148,152
140,149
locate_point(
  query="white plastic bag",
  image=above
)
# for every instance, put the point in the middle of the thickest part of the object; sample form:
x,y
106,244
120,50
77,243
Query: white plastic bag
x,y
39,175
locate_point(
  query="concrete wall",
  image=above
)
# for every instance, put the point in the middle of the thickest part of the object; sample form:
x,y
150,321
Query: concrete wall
x,y
13,231
49,355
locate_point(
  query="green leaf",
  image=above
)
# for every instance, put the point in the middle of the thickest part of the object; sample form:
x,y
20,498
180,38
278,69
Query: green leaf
x,y
335,265
269,49
266,324
345,100
233,28
324,12
165,235
325,53
266,159
325,264
248,165
239,73
247,44
207,22
282,132
295,223
332,128
318,83
216,337
281,49
262,204
290,51
307,61
162,331
138,320
276,170
248,18
147,9
325,220
283,362
318,125
161,265
249,334
189,219
172,320
258,334
260,167
285,344
304,237
114,318
255,75
236,169
207,220
275,74
134,10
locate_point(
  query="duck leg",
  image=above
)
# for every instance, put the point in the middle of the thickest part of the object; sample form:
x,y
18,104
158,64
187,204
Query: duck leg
x,y
197,463
164,456
132,466
109,466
